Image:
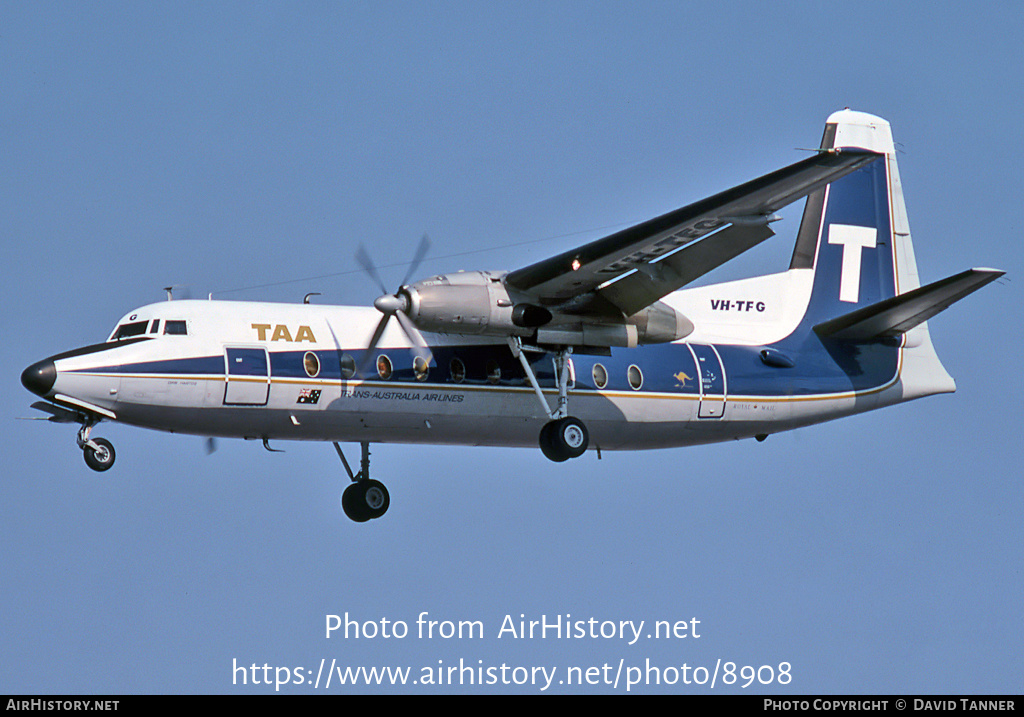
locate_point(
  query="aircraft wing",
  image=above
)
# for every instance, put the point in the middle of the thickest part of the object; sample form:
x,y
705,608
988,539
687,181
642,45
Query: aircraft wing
x,y
741,214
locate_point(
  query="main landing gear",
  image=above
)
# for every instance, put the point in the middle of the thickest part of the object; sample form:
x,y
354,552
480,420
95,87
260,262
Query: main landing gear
x,y
365,499
98,452
563,436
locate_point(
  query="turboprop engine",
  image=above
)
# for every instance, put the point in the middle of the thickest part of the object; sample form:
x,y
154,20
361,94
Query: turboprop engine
x,y
479,303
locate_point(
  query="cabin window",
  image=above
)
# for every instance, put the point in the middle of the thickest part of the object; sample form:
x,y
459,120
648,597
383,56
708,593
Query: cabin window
x,y
136,328
493,371
348,366
311,363
176,328
457,370
384,367
420,367
600,376
635,376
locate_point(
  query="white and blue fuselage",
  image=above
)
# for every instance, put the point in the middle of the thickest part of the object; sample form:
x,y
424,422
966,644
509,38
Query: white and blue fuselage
x,y
842,331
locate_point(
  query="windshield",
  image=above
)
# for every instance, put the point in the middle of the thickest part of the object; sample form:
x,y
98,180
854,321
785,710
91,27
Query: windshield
x,y
135,328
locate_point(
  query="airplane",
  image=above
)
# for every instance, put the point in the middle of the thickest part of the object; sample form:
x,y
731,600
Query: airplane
x,y
600,347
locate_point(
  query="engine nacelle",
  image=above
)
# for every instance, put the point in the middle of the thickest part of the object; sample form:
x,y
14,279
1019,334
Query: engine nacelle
x,y
478,303
657,324
472,302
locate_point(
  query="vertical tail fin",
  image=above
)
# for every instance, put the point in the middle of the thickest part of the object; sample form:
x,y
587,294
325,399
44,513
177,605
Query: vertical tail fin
x,y
854,232
855,236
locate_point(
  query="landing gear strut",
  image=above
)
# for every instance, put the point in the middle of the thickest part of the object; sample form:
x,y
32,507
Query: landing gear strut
x,y
365,499
564,436
98,452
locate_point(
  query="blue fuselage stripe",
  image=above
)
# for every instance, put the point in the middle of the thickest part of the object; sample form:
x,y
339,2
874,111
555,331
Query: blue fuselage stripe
x,y
666,368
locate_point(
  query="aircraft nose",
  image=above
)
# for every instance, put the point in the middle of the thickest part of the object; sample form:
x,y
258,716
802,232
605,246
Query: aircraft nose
x,y
39,377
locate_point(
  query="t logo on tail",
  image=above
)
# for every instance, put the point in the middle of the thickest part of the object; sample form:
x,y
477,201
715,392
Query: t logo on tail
x,y
853,239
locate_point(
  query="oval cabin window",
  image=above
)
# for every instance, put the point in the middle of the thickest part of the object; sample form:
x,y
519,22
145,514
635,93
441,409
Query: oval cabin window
x,y
493,371
420,367
458,370
348,366
384,367
635,376
312,364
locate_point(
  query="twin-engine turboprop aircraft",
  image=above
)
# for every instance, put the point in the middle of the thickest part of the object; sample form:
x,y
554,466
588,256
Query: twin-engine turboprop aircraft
x,y
597,347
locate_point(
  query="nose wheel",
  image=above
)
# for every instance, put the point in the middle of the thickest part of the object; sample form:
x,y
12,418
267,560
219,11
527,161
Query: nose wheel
x,y
98,452
100,455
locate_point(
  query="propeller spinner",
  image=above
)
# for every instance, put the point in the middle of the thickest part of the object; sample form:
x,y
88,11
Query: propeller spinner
x,y
396,304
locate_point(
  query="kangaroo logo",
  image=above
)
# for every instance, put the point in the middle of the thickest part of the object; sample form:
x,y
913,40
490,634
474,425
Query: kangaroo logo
x,y
853,240
682,378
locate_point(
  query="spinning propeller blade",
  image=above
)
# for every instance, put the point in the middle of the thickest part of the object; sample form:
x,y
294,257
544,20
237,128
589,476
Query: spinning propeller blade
x,y
364,260
421,251
394,304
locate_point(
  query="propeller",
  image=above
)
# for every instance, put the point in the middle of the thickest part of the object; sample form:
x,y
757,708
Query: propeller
x,y
396,304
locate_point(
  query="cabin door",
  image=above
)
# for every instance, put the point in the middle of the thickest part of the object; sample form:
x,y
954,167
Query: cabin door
x,y
247,376
712,381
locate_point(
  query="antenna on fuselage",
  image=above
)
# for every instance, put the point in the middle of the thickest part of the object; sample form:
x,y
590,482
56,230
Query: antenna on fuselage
x,y
170,291
305,299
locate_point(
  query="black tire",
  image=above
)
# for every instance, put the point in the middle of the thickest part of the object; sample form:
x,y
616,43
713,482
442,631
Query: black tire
x,y
549,446
351,504
365,500
100,459
564,439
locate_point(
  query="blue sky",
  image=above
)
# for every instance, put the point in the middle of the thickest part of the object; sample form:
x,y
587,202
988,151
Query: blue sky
x,y
232,146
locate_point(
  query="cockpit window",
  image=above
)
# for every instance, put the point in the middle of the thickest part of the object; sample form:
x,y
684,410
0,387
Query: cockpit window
x,y
135,328
175,327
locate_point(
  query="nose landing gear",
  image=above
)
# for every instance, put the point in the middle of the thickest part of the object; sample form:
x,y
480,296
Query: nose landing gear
x,y
98,452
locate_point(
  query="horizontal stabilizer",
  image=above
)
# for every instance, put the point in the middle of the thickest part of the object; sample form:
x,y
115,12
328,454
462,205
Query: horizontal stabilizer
x,y
897,315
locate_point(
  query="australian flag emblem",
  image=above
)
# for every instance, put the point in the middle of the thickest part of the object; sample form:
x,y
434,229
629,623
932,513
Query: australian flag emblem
x,y
309,395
